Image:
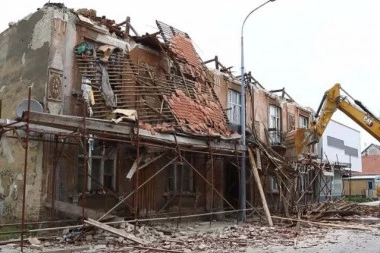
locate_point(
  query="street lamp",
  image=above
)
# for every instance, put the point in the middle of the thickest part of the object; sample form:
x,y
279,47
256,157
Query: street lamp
x,y
242,119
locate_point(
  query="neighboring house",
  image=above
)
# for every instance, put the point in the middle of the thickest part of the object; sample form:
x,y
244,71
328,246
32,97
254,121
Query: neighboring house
x,y
372,149
371,164
362,185
366,182
371,160
340,147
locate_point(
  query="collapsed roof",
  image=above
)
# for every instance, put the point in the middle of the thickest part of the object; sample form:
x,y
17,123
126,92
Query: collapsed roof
x,y
182,99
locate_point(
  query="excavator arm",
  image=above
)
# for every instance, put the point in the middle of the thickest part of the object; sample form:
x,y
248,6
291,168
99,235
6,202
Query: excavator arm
x,y
333,100
368,122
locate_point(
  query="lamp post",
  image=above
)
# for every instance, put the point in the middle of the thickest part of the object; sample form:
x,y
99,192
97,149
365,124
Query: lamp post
x,y
242,119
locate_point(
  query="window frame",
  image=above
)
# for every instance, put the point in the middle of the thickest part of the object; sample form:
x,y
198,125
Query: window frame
x,y
278,117
274,132
174,179
99,184
234,106
306,119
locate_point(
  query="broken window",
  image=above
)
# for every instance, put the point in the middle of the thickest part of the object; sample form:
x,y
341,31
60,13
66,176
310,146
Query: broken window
x,y
274,129
174,177
234,107
101,167
303,122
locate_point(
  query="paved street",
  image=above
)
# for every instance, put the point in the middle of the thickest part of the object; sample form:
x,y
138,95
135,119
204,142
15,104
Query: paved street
x,y
336,241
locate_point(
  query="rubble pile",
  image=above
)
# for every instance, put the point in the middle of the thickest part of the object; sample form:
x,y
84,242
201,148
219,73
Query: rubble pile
x,y
341,210
221,236
198,237
188,237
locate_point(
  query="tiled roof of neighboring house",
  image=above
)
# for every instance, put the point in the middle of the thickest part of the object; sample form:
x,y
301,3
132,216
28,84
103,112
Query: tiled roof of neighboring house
x,y
372,145
371,164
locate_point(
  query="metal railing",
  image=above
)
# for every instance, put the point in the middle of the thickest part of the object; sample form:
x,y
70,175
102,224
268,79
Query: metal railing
x,y
275,136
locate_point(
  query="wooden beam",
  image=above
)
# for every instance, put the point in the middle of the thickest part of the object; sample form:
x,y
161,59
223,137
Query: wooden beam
x,y
261,191
113,230
134,167
73,123
94,126
156,111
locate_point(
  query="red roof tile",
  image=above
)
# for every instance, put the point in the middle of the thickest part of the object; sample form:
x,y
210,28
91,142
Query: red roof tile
x,y
183,47
200,119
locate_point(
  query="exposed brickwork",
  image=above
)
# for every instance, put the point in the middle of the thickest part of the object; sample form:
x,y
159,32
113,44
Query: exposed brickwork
x,y
371,164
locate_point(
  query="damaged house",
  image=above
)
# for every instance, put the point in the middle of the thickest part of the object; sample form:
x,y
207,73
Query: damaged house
x,y
134,125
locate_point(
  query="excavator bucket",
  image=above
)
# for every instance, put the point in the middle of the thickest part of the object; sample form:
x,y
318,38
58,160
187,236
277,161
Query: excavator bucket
x,y
300,140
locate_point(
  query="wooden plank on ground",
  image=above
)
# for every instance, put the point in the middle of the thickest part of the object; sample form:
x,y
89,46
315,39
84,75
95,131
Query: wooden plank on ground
x,y
113,230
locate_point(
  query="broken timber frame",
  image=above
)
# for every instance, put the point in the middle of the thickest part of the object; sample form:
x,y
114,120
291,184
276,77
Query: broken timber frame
x,y
261,191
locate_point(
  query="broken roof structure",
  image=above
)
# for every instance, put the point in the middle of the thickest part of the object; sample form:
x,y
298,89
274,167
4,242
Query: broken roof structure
x,y
176,96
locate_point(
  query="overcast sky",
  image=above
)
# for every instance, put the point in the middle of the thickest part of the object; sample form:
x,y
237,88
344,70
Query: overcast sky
x,y
305,46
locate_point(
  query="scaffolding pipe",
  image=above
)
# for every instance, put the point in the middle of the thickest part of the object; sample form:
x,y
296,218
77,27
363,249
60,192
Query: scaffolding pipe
x,y
181,178
140,220
25,168
35,223
212,181
238,171
85,160
136,196
56,159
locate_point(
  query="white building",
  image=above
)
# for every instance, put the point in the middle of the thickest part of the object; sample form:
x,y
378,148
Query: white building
x,y
339,145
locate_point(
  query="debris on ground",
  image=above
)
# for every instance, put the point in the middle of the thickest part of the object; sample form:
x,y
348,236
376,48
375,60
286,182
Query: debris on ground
x,y
340,211
187,237
217,236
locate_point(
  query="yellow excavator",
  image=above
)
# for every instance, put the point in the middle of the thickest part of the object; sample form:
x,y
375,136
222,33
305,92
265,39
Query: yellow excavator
x,y
333,99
